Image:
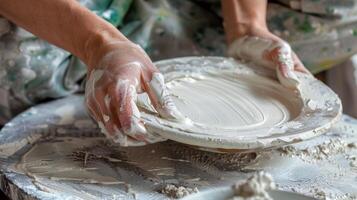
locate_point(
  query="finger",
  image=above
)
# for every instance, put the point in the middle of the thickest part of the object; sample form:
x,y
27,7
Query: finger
x,y
154,85
95,113
92,106
286,81
128,113
109,131
125,140
119,136
111,102
92,109
106,116
161,99
281,55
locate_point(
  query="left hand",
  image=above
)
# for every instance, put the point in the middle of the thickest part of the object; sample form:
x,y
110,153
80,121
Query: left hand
x,y
262,47
117,75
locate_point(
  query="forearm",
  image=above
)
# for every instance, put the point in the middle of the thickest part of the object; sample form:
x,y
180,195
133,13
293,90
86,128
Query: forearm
x,y
64,23
240,15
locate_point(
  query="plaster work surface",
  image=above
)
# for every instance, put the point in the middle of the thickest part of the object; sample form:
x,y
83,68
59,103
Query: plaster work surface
x,y
230,105
62,155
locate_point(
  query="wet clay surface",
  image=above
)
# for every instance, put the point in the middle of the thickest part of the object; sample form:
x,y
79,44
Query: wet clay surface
x,y
230,105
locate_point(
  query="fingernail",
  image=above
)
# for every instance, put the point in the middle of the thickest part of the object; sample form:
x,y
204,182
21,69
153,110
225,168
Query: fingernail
x,y
135,127
139,132
166,108
119,137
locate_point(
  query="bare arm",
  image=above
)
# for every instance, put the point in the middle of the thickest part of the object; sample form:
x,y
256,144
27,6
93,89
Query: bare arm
x,y
117,69
240,16
64,23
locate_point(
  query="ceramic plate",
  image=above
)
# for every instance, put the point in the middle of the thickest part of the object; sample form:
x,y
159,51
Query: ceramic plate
x,y
234,106
227,192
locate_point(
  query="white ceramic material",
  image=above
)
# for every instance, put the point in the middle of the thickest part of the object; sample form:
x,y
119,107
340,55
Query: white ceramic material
x,y
234,106
225,193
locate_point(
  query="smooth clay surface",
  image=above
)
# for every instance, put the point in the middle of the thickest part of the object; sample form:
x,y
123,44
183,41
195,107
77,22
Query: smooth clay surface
x,y
231,105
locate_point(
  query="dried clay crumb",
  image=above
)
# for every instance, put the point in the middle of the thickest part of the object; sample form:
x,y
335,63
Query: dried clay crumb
x,y
254,188
352,145
177,192
318,152
318,193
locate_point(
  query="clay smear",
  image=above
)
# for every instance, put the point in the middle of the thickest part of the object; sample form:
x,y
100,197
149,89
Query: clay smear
x,y
62,161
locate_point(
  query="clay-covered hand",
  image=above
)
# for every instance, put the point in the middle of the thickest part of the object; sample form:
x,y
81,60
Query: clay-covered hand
x,y
123,71
265,49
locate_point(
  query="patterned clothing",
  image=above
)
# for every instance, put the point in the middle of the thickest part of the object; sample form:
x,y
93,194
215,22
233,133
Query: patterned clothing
x,y
322,33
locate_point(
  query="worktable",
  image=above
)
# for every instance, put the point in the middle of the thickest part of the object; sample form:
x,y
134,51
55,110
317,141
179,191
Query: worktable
x,y
316,167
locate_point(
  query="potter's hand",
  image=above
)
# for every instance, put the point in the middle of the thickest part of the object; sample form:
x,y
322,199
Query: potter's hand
x,y
265,49
249,38
111,93
116,70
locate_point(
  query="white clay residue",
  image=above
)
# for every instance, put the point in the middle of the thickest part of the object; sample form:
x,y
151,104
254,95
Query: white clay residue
x,y
318,152
60,161
66,114
177,192
254,49
254,188
166,108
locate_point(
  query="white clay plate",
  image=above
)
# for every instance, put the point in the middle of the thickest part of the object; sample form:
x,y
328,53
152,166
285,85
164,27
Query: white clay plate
x,y
233,107
226,193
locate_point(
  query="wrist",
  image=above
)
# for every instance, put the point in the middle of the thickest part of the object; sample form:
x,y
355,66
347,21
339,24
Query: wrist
x,y
99,44
241,17
240,29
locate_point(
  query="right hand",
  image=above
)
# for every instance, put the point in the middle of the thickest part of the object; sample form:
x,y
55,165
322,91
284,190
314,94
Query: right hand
x,y
111,93
265,49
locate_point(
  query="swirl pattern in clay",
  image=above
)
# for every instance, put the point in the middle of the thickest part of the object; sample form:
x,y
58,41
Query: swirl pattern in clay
x,y
230,105
234,102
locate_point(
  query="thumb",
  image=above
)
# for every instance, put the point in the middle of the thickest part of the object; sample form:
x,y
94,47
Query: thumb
x,y
282,57
161,99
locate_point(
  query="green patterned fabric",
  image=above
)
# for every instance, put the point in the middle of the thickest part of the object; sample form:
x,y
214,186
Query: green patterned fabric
x,y
320,39
32,70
